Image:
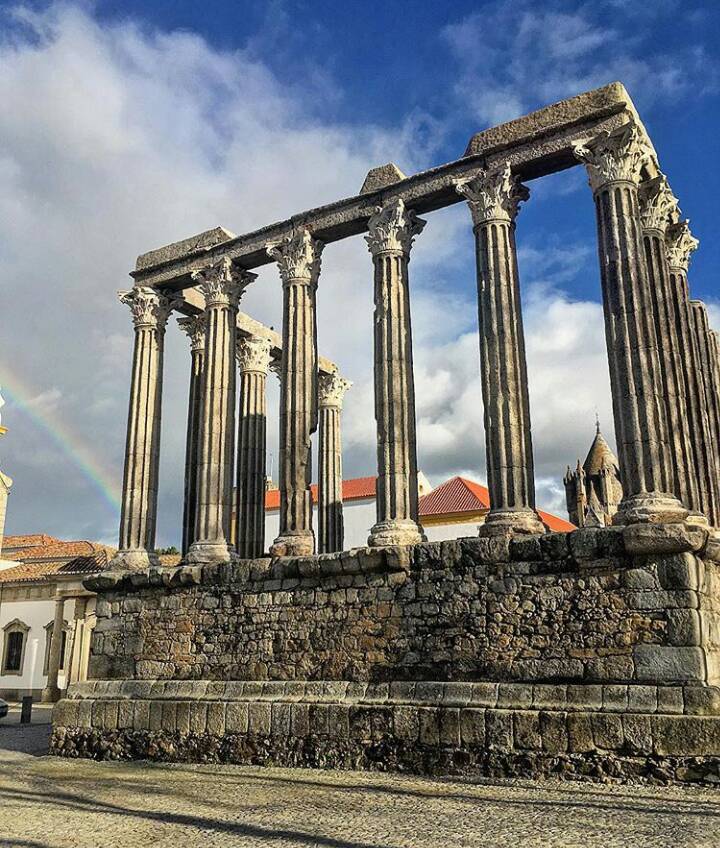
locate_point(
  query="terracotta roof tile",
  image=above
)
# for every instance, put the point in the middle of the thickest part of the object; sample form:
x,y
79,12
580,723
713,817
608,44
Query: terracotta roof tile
x,y
455,495
40,570
32,540
359,487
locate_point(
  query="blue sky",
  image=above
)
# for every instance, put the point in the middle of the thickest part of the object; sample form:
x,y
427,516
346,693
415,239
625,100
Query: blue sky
x,y
129,125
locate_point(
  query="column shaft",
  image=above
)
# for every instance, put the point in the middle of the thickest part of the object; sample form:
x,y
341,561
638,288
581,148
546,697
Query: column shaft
x,y
390,234
138,516
680,244
657,205
298,260
614,163
195,328
493,197
51,692
708,386
332,388
253,360
222,286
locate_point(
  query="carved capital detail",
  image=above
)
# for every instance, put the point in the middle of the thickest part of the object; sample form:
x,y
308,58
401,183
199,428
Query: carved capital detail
x,y
194,327
392,228
298,257
253,354
680,243
613,157
148,307
658,205
331,389
493,195
223,284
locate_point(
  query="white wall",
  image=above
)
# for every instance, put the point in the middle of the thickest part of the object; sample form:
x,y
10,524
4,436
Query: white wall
x,y
441,532
358,518
35,613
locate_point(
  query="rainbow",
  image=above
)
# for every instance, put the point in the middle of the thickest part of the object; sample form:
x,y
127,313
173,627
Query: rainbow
x,y
104,480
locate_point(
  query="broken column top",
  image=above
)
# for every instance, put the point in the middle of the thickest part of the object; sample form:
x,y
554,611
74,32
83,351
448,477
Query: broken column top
x,y
380,177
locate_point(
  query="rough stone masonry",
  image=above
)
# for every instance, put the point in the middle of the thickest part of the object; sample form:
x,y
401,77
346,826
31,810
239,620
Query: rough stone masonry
x,y
594,653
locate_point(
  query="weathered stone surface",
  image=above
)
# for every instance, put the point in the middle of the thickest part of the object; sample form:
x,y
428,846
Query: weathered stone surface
x,y
381,177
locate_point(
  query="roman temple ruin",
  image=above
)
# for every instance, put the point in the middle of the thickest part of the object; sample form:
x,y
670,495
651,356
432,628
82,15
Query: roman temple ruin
x,y
517,651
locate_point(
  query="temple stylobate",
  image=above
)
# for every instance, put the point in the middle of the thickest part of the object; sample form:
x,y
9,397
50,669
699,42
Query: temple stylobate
x,y
662,355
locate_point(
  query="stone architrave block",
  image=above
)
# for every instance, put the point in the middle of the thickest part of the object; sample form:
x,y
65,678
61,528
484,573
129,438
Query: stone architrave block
x,y
526,725
237,717
661,664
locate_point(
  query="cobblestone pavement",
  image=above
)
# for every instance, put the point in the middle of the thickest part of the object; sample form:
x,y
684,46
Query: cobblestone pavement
x,y
48,803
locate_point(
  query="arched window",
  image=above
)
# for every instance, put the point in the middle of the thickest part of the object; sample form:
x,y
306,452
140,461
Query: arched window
x,y
14,641
48,645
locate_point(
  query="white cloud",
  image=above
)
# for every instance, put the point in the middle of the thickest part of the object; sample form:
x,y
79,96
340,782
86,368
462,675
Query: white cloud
x,y
117,140
518,56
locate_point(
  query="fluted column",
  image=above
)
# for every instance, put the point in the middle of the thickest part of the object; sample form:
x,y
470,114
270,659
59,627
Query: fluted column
x,y
493,197
138,517
391,231
710,393
680,244
658,208
222,286
51,692
331,392
614,162
194,326
298,260
253,355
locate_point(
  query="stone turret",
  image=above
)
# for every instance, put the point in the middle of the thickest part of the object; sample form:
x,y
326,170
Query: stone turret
x,y
593,490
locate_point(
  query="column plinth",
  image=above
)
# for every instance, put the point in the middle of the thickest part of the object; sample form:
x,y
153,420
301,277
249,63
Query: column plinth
x,y
51,692
331,391
493,197
222,286
195,329
138,517
298,260
614,162
253,355
391,231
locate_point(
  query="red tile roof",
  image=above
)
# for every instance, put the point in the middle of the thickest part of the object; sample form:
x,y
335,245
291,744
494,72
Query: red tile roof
x,y
356,489
455,495
55,557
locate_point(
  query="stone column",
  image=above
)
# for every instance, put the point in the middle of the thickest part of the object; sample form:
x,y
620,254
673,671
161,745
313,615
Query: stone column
x,y
253,356
493,197
331,391
51,692
298,260
195,328
391,231
138,516
222,286
712,400
658,207
614,162
680,244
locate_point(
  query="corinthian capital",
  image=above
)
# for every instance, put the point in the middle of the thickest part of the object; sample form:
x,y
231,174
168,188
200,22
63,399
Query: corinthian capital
x,y
658,205
298,257
149,308
194,327
680,244
222,284
613,157
331,389
253,354
493,195
393,228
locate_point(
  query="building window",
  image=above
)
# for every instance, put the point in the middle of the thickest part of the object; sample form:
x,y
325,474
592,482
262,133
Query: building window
x,y
48,644
13,656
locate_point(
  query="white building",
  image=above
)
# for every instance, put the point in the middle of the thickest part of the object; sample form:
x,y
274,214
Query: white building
x,y
452,510
39,574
